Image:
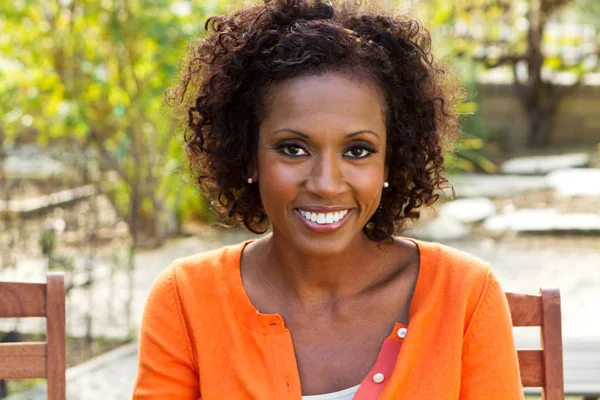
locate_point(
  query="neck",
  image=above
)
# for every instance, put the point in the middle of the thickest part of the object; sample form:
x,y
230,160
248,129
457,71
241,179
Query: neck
x,y
316,279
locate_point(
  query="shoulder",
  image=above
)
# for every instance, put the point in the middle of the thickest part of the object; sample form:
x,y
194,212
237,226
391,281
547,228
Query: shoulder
x,y
453,265
455,280
469,273
190,274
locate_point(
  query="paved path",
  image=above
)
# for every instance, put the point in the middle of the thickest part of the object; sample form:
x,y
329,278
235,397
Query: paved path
x,y
576,271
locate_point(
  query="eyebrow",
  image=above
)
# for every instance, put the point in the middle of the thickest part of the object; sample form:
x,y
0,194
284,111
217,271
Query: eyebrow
x,y
304,135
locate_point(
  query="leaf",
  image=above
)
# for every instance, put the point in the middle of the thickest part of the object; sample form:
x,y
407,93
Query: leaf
x,y
472,144
554,63
469,107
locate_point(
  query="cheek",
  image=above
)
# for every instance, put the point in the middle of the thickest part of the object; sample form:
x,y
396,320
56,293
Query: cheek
x,y
278,182
367,184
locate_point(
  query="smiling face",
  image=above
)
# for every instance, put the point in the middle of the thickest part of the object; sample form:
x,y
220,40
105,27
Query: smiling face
x,y
321,161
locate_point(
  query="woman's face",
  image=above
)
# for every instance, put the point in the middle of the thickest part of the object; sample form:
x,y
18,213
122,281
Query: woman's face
x,y
321,161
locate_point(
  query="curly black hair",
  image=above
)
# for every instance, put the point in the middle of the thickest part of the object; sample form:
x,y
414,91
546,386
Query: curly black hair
x,y
221,98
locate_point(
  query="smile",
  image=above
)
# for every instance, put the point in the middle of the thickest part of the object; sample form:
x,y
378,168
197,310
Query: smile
x,y
323,218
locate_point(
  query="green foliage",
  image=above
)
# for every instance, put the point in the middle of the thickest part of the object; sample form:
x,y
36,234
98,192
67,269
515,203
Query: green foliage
x,y
495,33
47,239
473,152
92,74
543,47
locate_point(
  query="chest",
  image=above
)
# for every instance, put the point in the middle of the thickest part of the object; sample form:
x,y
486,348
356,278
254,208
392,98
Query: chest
x,y
335,347
338,356
335,350
270,365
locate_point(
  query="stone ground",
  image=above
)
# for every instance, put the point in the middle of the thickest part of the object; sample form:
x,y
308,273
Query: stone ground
x,y
522,265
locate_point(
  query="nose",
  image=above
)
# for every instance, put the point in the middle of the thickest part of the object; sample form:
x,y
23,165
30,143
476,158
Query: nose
x,y
326,178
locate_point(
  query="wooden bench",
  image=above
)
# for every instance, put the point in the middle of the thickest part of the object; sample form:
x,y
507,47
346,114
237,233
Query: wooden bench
x,y
542,364
36,360
541,367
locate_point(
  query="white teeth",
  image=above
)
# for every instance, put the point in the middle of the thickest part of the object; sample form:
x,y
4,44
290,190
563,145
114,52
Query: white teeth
x,y
324,218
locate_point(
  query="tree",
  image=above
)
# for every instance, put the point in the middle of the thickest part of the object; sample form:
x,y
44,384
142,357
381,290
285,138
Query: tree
x,y
541,42
91,76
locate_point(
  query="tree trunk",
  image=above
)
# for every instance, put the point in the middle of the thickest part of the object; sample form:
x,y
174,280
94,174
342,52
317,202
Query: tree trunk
x,y
540,127
539,98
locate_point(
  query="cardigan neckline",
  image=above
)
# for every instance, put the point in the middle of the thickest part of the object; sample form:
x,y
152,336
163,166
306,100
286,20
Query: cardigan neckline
x,y
273,323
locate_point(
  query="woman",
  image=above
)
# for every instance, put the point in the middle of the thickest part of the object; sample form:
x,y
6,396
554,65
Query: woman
x,y
330,124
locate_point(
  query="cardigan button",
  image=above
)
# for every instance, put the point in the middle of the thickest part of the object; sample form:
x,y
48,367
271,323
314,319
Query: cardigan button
x,y
378,378
402,333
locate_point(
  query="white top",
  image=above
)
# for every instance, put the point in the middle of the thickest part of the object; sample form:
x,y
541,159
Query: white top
x,y
346,394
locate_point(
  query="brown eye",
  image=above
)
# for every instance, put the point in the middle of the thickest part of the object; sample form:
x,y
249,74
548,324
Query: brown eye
x,y
293,150
358,153
361,151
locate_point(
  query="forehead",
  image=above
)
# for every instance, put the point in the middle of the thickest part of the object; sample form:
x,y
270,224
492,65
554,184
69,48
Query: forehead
x,y
329,102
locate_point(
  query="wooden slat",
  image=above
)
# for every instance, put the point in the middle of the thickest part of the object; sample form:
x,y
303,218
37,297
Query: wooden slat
x,y
20,300
531,365
525,310
56,333
22,360
551,341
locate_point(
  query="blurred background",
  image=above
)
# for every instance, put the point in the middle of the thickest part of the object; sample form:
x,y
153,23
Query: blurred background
x,y
93,178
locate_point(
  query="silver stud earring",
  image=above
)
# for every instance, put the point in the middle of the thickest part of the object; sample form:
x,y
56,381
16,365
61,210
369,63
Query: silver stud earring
x,y
386,184
250,181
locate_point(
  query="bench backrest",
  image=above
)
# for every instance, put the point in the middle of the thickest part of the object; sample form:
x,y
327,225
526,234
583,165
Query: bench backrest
x,y
541,367
36,360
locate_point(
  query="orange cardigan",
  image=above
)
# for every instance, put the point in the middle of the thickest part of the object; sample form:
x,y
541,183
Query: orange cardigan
x,y
201,338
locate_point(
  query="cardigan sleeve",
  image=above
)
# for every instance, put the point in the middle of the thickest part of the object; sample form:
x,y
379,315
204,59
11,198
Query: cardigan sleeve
x,y
166,367
490,368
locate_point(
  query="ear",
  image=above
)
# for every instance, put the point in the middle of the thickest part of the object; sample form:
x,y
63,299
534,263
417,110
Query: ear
x,y
251,172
